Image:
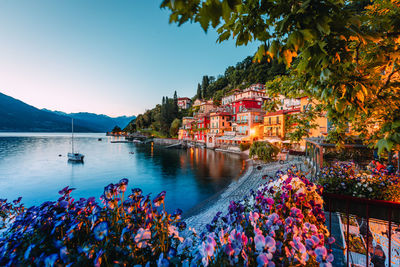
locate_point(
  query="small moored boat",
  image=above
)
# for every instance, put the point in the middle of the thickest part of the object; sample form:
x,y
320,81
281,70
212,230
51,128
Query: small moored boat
x,y
73,156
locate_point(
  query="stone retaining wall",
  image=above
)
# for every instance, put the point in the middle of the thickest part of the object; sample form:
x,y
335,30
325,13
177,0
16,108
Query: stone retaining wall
x,y
165,141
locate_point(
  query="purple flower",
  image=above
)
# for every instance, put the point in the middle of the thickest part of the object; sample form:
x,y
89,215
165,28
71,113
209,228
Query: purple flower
x,y
159,199
177,213
321,253
262,260
109,191
259,241
122,185
63,204
97,260
181,226
137,191
101,230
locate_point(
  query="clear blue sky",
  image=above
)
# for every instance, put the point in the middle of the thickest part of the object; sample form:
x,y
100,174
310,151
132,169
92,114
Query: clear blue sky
x,y
110,57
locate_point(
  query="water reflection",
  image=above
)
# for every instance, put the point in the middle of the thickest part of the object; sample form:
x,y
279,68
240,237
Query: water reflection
x,y
30,166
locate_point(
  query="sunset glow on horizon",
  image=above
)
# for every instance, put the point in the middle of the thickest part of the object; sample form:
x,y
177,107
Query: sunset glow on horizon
x,y
113,58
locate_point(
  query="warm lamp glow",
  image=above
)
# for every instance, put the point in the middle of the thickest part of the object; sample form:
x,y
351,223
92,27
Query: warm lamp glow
x,y
252,131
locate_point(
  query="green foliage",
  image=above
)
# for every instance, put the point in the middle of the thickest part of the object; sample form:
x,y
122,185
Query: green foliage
x,y
173,131
198,95
244,146
346,53
264,151
158,119
242,75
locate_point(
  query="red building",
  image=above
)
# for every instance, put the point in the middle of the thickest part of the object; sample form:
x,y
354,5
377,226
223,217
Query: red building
x,y
184,102
203,126
244,104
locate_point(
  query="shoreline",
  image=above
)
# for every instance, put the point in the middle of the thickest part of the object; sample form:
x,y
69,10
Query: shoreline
x,y
203,213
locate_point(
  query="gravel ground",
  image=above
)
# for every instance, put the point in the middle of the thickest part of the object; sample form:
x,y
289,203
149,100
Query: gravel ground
x,y
202,214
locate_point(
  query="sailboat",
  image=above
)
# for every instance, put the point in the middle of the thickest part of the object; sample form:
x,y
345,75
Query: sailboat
x,y
72,155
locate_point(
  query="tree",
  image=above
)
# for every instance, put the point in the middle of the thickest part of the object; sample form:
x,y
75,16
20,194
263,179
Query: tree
x,y
116,129
175,107
204,86
198,95
263,151
173,131
346,52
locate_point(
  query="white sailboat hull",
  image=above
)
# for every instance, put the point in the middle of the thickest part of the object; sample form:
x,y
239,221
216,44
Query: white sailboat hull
x,y
75,156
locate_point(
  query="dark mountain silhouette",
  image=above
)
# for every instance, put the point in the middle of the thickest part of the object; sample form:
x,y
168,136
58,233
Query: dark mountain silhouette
x,y
100,121
17,116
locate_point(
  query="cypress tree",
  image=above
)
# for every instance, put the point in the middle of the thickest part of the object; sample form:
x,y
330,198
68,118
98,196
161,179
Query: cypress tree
x,y
204,86
176,109
199,91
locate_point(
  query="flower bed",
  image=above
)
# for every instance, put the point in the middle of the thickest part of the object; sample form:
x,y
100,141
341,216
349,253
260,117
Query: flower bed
x,y
282,223
348,180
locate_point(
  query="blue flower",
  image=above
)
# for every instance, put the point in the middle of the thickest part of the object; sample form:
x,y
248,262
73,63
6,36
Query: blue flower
x,y
50,260
101,230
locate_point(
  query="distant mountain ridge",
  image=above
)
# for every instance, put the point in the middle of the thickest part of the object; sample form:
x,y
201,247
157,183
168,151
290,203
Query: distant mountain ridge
x,y
17,116
100,121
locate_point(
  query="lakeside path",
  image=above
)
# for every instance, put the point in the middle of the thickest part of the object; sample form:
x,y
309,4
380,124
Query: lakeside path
x,y
203,213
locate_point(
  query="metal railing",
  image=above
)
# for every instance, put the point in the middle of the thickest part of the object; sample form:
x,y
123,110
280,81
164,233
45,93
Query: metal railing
x,y
365,209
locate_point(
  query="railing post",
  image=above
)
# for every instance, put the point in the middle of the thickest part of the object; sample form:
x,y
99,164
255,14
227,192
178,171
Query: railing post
x,y
330,221
348,233
390,236
367,235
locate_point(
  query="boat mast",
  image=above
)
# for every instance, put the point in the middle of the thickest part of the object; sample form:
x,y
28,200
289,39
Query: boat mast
x,y
72,136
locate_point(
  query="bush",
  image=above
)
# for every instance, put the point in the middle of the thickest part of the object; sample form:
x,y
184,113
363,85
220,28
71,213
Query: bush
x,y
263,151
244,146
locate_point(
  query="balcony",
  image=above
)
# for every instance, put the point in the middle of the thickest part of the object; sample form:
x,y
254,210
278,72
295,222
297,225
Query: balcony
x,y
272,123
242,121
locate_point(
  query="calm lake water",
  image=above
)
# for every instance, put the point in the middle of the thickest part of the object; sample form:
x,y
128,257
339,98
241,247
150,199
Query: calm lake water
x,y
30,166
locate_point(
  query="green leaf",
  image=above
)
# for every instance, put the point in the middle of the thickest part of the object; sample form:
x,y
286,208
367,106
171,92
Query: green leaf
x,y
260,53
295,40
308,34
273,49
323,27
339,105
224,36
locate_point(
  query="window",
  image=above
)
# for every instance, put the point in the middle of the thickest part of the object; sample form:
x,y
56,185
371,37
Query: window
x,y
277,119
223,124
269,120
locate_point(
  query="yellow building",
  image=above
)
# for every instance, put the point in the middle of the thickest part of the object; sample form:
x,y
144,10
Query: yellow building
x,y
322,121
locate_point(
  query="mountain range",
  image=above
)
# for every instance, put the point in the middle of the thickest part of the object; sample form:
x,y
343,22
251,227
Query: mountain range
x,y
17,116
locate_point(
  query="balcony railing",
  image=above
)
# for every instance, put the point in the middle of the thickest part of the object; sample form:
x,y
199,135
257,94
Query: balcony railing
x,y
372,214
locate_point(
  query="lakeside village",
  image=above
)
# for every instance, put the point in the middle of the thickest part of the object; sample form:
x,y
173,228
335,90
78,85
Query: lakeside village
x,y
241,119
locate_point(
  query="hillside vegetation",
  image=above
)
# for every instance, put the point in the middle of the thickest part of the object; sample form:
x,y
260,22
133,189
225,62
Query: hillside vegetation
x,y
162,118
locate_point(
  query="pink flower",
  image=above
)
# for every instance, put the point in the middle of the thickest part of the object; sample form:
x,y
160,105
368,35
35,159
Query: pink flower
x,y
141,237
